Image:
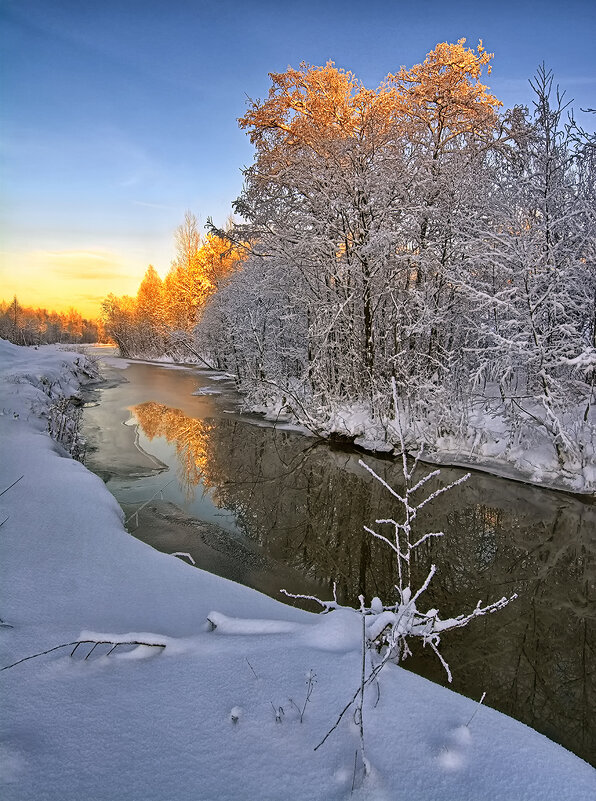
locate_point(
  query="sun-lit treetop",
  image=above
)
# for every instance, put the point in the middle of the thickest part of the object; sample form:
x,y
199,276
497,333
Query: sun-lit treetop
x,y
312,105
444,95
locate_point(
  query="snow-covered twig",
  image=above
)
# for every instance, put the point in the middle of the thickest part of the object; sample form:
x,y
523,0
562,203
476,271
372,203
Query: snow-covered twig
x,y
184,553
93,643
477,708
10,486
311,680
327,605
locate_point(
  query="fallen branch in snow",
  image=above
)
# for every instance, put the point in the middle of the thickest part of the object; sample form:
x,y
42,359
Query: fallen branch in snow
x,y
251,667
181,340
328,606
11,485
93,643
249,626
184,553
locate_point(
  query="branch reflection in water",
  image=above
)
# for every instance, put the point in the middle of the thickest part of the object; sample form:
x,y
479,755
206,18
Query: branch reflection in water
x,y
305,505
188,435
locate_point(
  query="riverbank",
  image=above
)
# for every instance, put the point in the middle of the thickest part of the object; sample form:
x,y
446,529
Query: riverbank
x,y
482,437
196,719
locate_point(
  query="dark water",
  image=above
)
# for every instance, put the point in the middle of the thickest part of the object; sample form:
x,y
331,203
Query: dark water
x,y
272,508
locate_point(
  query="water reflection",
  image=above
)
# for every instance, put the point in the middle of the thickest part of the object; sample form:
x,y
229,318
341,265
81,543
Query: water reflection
x,y
188,435
305,505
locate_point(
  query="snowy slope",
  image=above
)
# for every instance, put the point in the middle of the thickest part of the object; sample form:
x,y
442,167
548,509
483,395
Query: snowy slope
x,y
157,723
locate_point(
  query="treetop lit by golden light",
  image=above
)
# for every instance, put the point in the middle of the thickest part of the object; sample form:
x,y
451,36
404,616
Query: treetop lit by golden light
x,y
314,106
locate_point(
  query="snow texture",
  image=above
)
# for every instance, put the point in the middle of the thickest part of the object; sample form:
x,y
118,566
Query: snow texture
x,y
206,717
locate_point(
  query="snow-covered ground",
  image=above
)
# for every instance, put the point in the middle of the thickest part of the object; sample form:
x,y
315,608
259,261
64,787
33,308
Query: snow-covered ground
x,y
485,441
208,716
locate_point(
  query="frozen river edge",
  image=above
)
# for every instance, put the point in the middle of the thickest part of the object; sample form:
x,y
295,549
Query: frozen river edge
x,y
161,725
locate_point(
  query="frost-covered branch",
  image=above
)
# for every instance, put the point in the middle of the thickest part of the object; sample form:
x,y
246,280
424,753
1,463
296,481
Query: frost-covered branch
x,y
94,644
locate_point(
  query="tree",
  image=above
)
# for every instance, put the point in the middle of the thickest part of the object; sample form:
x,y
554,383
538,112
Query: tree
x,y
118,315
449,121
150,313
15,317
357,193
186,285
161,318
441,104
320,197
542,290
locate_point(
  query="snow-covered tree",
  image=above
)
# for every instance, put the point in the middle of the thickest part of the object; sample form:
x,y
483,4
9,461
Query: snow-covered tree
x,y
534,278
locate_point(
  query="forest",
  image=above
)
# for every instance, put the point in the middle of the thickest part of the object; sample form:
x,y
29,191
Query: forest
x,y
25,325
411,254
162,318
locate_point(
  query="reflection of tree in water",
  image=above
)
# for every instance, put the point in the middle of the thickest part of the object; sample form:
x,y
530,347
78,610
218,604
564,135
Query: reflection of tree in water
x,y
536,658
188,435
306,505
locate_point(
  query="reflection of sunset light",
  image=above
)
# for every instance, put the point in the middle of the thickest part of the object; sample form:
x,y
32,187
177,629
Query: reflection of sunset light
x,y
188,435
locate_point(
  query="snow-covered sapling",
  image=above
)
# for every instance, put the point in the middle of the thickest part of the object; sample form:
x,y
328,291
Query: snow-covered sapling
x,y
387,628
311,680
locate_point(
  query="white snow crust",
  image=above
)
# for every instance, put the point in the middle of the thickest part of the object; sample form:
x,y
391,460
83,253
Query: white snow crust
x,y
197,719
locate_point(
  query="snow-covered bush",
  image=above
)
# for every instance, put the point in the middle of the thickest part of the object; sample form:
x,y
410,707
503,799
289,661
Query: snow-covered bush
x,y
389,626
64,420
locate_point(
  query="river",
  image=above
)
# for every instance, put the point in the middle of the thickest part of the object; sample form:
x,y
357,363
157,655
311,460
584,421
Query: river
x,y
270,507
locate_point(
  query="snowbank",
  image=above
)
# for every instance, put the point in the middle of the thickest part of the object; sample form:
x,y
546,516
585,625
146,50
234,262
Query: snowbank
x,y
485,441
198,718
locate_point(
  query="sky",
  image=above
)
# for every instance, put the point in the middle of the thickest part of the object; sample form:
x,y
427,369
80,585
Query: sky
x,y
117,116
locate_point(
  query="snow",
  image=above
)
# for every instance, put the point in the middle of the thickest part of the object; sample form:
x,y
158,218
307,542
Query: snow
x,y
197,719
484,444
207,391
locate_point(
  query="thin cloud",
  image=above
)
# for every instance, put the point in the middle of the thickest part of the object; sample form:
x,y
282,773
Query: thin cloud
x,y
88,298
77,254
151,205
80,264
83,273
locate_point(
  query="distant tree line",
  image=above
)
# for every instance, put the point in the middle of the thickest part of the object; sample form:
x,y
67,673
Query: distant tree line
x,y
25,325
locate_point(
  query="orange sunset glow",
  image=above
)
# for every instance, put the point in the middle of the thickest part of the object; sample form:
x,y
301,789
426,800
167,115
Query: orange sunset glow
x,y
61,279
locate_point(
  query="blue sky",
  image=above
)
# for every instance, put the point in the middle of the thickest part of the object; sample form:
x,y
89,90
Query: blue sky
x,y
118,115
